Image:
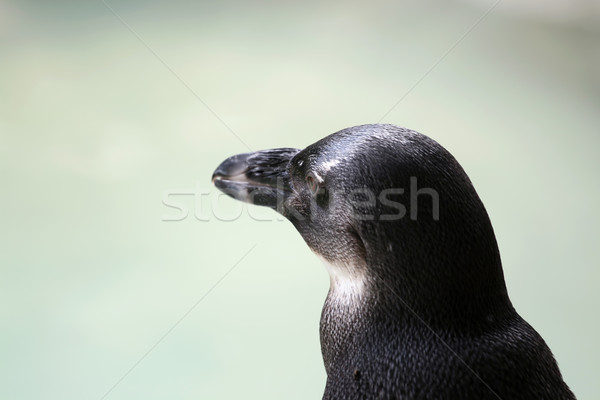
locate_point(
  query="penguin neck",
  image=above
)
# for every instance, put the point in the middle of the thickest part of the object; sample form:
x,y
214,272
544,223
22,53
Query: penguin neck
x,y
362,312
447,270
464,289
446,291
347,282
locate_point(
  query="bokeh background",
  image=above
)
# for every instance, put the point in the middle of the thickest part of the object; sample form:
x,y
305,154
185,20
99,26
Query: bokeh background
x,y
106,292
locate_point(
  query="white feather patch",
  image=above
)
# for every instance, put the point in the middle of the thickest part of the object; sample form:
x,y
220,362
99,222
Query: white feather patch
x,y
347,282
327,165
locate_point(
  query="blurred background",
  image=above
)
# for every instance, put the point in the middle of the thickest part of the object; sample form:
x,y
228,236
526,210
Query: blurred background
x,y
112,111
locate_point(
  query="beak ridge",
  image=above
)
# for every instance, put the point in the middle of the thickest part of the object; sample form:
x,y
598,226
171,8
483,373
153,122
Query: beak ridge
x,y
259,178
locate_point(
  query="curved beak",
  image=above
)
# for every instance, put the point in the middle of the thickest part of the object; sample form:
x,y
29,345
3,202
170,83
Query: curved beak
x,y
259,178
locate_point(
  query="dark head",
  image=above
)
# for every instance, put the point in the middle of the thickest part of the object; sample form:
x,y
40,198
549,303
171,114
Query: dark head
x,y
387,208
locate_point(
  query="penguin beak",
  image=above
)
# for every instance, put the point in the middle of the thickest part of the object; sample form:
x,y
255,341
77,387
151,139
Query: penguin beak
x,y
259,178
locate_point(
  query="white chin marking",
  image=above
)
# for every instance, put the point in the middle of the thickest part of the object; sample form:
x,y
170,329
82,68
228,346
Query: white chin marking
x,y
347,281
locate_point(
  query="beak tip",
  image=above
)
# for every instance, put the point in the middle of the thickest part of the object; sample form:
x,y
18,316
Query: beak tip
x,y
231,167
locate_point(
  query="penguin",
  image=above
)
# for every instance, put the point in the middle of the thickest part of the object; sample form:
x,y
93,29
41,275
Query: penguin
x,y
417,306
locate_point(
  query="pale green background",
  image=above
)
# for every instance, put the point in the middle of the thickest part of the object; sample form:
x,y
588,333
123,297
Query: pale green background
x,y
95,130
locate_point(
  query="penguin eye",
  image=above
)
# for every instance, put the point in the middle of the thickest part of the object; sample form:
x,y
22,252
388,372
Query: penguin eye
x,y
314,183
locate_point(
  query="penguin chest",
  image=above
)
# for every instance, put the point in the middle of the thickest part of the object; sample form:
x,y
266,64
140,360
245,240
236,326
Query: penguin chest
x,y
342,322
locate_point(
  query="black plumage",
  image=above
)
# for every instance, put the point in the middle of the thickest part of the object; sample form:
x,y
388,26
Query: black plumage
x,y
418,307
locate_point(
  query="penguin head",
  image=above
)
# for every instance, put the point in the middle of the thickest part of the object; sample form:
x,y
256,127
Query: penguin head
x,y
380,203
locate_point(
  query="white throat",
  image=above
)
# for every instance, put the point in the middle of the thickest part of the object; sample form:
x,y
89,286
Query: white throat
x,y
347,282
